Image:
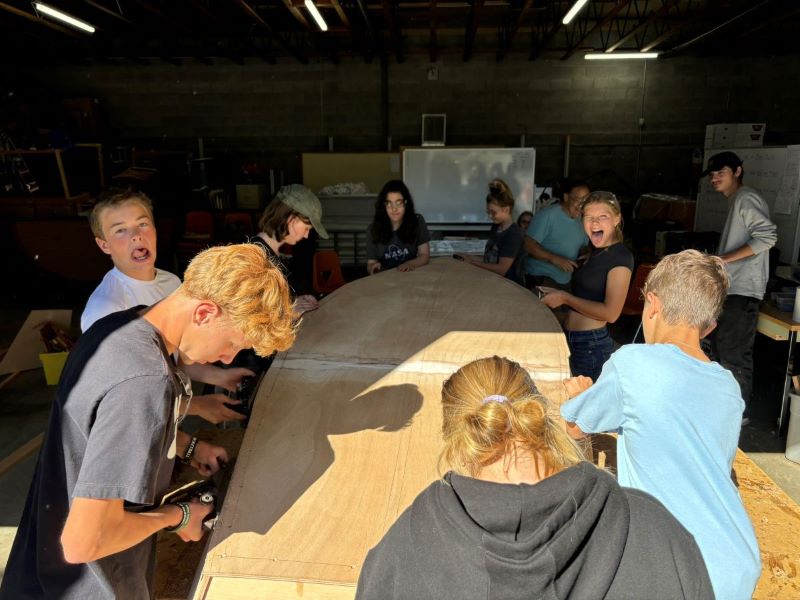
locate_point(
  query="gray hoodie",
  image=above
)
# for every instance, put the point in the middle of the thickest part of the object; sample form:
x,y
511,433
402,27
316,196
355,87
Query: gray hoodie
x,y
576,535
748,223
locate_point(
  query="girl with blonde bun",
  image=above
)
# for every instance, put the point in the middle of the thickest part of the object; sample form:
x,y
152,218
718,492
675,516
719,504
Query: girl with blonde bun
x,y
504,250
522,515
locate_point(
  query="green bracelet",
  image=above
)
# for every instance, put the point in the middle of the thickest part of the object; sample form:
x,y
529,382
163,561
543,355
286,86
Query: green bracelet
x,y
187,513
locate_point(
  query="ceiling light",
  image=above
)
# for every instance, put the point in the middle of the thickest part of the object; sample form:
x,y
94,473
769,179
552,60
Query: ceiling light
x,y
619,55
573,11
56,14
310,7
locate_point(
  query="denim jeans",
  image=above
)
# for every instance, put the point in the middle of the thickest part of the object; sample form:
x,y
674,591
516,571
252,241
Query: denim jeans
x,y
589,350
732,341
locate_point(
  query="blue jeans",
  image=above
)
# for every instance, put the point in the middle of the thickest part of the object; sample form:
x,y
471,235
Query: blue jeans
x,y
589,350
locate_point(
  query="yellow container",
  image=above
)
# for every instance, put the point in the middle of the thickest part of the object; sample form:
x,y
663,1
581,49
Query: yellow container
x,y
53,363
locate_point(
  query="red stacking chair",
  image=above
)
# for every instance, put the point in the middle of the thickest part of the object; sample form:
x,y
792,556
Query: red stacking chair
x,y
327,275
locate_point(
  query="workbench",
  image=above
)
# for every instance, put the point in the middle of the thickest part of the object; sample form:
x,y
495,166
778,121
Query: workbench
x,y
778,325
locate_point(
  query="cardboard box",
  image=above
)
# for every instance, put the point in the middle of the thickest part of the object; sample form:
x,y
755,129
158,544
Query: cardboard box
x,y
252,195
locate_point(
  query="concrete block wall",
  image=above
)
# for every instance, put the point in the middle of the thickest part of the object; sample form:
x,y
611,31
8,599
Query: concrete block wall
x,y
272,113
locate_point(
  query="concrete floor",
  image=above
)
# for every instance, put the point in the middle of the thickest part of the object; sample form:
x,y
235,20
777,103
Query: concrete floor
x,y
25,407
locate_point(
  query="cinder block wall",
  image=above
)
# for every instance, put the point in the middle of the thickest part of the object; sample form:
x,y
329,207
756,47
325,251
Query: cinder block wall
x,y
272,113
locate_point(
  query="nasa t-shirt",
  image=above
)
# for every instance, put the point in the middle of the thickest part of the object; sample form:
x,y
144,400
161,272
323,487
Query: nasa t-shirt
x,y
396,251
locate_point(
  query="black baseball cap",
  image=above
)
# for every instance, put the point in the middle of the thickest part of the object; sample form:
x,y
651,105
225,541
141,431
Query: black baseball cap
x,y
722,160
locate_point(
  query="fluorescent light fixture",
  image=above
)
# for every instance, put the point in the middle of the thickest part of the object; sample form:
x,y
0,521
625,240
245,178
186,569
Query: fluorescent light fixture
x,y
311,7
573,11
619,55
56,14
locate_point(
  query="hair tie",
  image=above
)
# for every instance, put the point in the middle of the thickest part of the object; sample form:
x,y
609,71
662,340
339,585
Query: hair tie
x,y
494,398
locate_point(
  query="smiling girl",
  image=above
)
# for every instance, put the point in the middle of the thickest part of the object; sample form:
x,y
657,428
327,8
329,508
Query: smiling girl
x,y
504,248
599,287
398,236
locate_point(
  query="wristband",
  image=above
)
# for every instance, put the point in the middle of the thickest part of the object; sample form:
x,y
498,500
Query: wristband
x,y
187,513
187,458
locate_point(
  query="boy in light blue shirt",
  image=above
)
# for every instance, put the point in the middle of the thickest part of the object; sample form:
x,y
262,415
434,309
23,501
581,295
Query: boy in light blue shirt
x,y
678,416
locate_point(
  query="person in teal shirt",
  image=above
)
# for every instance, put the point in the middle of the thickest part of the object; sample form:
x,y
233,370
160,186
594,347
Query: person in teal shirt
x,y
554,239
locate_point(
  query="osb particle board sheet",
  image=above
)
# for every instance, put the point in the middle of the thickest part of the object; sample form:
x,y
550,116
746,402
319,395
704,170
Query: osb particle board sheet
x,y
776,520
385,318
338,447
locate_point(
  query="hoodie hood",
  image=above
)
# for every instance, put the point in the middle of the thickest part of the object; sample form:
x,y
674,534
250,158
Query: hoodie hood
x,y
564,536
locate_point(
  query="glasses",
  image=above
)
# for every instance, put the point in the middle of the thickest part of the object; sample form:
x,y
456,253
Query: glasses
x,y
396,204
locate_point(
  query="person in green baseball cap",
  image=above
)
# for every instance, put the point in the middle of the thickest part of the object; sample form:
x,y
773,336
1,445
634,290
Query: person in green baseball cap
x,y
293,213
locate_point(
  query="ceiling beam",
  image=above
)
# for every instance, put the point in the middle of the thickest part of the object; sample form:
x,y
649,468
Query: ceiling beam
x,y
34,19
340,11
472,28
774,19
108,12
297,14
266,27
665,8
716,29
373,39
537,48
505,46
394,30
154,10
433,40
210,16
602,23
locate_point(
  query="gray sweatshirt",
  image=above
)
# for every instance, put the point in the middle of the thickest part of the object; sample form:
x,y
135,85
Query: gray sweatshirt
x,y
748,223
575,535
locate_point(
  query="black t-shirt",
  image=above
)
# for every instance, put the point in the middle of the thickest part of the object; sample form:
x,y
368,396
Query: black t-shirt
x,y
589,281
396,251
506,244
111,430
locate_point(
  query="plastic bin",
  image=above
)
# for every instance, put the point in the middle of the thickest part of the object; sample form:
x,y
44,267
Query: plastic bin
x,y
793,435
53,363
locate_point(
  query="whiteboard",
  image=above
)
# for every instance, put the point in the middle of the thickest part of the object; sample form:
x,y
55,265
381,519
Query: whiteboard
x,y
773,172
449,185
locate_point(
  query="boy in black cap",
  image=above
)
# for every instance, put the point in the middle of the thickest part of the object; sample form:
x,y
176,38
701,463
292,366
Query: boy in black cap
x,y
746,239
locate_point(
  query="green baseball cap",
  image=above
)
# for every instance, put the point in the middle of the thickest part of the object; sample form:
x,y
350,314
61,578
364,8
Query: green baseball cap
x,y
302,200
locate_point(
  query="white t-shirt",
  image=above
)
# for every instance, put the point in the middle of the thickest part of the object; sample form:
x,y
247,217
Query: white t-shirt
x,y
117,292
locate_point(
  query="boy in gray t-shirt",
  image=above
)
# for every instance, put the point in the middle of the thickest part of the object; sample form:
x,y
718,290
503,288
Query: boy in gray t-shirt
x,y
744,248
88,527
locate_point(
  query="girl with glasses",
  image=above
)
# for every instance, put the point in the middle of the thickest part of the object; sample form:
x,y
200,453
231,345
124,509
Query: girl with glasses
x,y
398,236
599,287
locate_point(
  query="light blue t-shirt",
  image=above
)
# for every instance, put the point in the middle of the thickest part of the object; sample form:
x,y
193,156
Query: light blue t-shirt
x,y
678,420
559,234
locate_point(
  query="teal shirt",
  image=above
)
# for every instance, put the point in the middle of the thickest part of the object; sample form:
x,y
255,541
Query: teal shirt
x,y
559,234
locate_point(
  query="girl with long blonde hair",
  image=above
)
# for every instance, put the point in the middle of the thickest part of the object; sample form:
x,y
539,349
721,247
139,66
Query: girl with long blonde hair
x,y
522,515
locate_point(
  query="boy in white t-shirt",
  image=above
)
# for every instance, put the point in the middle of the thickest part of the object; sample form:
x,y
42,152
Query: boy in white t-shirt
x,y
678,416
123,226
